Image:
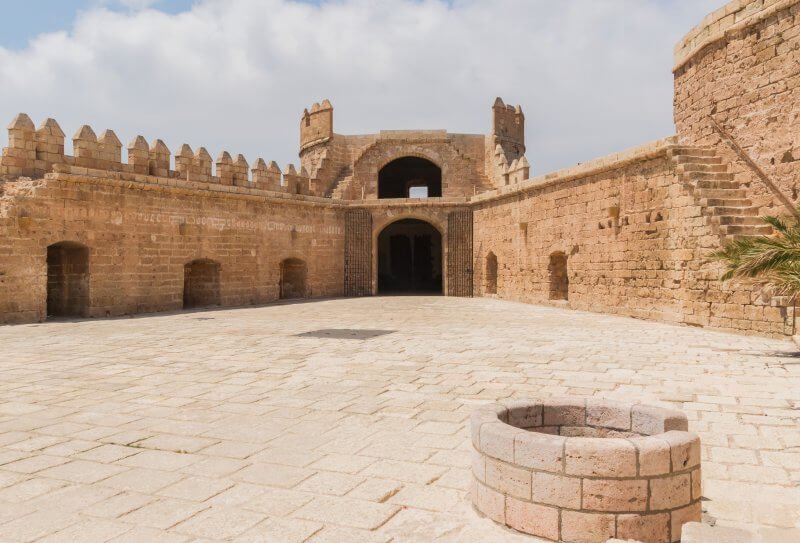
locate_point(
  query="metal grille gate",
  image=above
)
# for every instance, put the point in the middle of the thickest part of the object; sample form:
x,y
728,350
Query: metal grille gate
x,y
358,253
459,253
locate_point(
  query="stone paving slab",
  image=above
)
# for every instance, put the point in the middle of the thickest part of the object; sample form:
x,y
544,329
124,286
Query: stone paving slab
x,y
240,425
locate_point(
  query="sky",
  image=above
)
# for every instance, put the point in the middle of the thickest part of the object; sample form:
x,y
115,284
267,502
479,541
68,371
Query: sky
x,y
593,76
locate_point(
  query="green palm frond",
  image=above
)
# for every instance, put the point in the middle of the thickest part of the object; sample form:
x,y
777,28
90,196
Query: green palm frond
x,y
768,260
777,223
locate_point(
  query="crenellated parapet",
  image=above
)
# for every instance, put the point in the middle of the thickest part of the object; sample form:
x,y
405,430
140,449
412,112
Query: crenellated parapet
x,y
34,153
508,126
316,126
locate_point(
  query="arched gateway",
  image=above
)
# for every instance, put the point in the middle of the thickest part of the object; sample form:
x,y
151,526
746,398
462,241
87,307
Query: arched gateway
x,y
410,258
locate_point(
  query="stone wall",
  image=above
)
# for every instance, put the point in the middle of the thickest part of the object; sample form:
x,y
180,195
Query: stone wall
x,y
350,164
740,65
346,166
141,231
635,235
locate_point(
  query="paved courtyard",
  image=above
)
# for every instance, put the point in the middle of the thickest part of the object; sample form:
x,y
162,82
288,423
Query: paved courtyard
x,y
228,425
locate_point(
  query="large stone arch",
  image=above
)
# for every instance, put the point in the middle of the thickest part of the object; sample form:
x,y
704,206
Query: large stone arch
x,y
457,171
400,177
381,221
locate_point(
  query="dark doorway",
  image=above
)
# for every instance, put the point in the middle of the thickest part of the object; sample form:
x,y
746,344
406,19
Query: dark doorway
x,y
67,280
201,283
491,273
410,258
396,179
559,281
294,277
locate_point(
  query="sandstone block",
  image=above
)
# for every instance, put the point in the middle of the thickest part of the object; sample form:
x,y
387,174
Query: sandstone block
x,y
565,412
497,440
532,519
690,513
508,479
684,450
650,528
491,503
608,414
524,414
479,466
654,455
670,492
557,490
697,485
598,457
615,495
579,527
539,451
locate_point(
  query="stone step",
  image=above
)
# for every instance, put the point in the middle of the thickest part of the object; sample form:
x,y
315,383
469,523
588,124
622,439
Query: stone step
x,y
746,230
696,159
737,219
696,167
709,176
748,211
725,202
711,184
723,193
693,151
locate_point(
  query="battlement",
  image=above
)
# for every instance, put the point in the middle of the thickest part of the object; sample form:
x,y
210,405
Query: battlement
x,y
316,126
507,140
508,125
35,152
731,17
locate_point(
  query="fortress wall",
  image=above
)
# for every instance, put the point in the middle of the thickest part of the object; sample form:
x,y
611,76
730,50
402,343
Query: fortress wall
x,y
741,65
34,152
635,240
141,231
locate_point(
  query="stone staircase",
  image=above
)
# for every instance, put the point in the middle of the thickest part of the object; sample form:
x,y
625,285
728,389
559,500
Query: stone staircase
x,y
342,181
725,204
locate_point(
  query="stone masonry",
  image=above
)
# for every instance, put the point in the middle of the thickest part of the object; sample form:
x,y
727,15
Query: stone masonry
x,y
625,234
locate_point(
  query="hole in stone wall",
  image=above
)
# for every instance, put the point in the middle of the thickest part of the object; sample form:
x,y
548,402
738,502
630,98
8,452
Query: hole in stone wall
x,y
67,280
294,278
201,283
491,273
396,179
559,281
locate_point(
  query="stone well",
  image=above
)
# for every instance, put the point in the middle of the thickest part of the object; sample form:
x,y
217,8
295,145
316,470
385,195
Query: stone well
x,y
584,471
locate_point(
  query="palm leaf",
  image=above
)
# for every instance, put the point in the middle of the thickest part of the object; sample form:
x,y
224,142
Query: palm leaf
x,y
767,260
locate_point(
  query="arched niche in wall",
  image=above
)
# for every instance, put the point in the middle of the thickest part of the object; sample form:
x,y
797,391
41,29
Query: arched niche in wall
x,y
408,177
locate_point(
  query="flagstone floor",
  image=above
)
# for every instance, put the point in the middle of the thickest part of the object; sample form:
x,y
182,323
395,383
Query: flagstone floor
x,y
230,425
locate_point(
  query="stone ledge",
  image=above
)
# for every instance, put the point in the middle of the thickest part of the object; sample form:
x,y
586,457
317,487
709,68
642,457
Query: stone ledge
x,y
194,188
732,17
596,166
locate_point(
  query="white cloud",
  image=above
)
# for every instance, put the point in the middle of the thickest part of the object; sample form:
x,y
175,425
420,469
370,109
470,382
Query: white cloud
x,y
593,76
